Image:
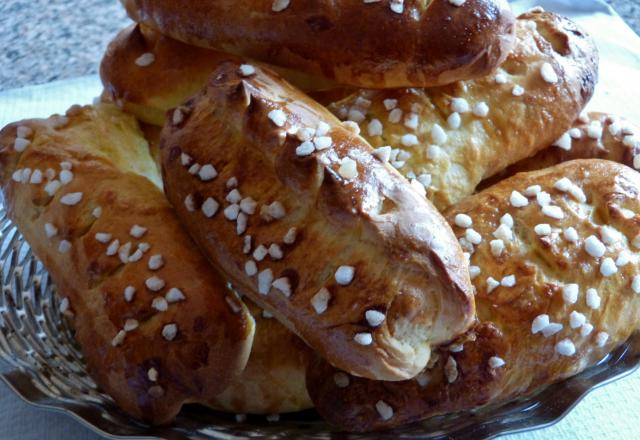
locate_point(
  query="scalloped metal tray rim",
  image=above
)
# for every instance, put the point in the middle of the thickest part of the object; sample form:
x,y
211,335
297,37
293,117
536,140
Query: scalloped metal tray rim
x,y
75,415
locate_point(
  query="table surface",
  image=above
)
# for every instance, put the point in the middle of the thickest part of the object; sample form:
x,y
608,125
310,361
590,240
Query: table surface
x,y
47,40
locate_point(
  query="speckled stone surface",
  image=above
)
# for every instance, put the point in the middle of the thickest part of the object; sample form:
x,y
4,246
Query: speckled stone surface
x,y
45,40
629,10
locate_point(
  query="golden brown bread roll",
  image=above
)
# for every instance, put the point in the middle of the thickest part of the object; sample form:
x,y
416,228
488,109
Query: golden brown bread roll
x,y
157,326
367,44
336,244
553,296
147,73
448,139
593,136
274,380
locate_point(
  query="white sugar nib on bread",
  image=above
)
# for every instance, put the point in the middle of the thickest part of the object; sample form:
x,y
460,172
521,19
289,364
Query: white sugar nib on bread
x,y
593,135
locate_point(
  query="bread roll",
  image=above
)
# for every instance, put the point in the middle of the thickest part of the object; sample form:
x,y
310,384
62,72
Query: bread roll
x,y
147,73
274,380
158,328
553,296
593,136
364,44
448,139
336,244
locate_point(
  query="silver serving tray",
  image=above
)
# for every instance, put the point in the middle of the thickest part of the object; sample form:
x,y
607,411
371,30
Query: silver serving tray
x,y
41,363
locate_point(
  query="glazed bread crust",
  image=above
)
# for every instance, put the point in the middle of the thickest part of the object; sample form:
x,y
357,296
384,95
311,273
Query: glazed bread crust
x,y
274,380
151,354
333,242
429,43
593,136
543,325
177,72
450,138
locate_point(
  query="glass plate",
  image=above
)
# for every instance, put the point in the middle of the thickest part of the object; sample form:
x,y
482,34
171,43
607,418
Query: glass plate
x,y
44,366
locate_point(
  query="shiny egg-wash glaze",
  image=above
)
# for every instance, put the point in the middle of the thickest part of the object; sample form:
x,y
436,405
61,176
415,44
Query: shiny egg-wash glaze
x,y
553,296
177,72
336,244
273,381
423,44
593,136
477,144
457,135
157,327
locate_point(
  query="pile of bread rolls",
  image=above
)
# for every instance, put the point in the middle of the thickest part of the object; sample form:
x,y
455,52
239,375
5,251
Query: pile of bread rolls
x,y
383,209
